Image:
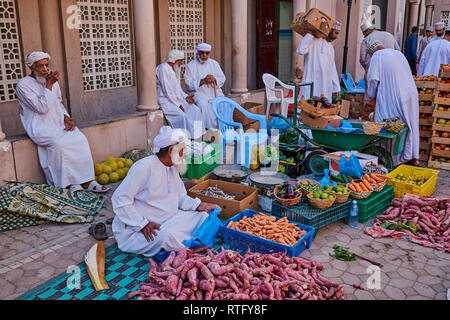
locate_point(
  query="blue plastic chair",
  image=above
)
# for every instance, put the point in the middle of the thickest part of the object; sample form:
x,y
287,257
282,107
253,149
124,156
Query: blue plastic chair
x,y
350,85
223,108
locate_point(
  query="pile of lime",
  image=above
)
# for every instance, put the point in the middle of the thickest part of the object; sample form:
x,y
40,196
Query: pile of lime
x,y
336,189
112,170
322,195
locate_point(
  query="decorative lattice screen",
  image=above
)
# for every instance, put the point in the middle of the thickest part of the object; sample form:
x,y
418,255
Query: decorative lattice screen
x,y
11,68
186,26
105,38
446,18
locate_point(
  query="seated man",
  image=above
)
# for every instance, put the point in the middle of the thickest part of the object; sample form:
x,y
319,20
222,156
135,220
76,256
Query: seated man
x,y
64,152
178,107
200,76
153,198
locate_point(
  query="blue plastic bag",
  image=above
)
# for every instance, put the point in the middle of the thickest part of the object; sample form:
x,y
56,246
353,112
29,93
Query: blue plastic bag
x,y
351,167
325,181
277,124
207,232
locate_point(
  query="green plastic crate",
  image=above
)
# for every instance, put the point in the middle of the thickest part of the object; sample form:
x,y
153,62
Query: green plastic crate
x,y
201,166
375,204
309,216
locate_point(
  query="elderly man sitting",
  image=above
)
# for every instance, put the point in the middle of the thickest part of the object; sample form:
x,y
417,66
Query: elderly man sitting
x,y
64,152
178,107
205,78
151,206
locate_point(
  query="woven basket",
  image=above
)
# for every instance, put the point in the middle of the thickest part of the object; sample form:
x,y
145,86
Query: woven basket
x,y
286,202
308,181
340,198
360,195
372,128
378,186
394,128
320,203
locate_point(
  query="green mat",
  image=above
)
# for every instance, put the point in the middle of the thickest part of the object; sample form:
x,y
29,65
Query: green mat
x,y
24,204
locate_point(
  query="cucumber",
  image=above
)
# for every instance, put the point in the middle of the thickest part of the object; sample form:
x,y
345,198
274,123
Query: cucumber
x,y
344,177
334,178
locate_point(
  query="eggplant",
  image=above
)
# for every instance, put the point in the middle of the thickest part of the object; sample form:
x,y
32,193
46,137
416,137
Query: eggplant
x,y
290,191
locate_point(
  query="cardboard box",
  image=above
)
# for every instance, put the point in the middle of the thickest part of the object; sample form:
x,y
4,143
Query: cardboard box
x,y
354,97
345,109
252,127
314,21
253,107
335,157
320,122
246,197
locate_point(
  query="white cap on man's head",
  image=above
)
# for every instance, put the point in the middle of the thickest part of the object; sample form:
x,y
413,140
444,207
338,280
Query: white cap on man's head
x,y
203,47
337,25
366,25
168,137
36,56
439,25
429,29
175,55
373,46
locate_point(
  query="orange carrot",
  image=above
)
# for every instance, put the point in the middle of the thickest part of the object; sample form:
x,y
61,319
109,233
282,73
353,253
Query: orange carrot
x,y
383,176
363,187
358,188
367,184
376,178
351,187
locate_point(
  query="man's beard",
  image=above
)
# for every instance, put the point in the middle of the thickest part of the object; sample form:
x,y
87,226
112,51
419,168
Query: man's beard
x,y
178,162
202,61
41,79
177,70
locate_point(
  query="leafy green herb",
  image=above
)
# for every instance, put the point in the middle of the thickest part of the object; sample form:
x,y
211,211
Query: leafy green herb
x,y
342,253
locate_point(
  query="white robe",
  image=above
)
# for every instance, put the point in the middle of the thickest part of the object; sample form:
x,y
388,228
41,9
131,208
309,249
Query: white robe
x,y
320,67
391,81
422,45
436,53
65,156
194,73
171,96
154,192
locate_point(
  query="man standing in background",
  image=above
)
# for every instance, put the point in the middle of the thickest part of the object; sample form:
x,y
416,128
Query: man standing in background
x,y
439,29
425,41
410,50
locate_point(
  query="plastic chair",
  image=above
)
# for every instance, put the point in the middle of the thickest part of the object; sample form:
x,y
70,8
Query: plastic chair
x,y
270,82
223,108
350,85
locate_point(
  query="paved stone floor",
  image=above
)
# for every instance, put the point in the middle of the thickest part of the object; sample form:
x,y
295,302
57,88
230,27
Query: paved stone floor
x,y
33,255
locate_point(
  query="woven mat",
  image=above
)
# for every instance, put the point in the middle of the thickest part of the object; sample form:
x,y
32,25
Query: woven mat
x,y
24,204
123,272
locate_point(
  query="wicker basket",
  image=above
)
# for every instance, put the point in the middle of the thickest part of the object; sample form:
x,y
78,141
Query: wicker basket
x,y
394,128
360,195
378,186
320,203
340,197
308,181
286,202
372,128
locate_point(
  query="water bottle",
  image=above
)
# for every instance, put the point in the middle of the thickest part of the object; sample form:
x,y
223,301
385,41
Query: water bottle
x,y
354,215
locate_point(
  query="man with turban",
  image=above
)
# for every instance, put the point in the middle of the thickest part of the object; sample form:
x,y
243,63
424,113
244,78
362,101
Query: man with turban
x,y
63,150
425,41
205,78
439,28
371,35
320,66
151,205
435,54
179,108
390,82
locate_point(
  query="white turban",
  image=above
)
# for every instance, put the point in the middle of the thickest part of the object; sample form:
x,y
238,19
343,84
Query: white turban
x,y
366,25
36,56
175,55
168,137
337,25
439,25
373,46
203,47
429,29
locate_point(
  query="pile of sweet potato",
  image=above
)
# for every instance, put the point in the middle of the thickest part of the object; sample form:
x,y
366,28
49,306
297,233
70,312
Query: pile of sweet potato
x,y
227,275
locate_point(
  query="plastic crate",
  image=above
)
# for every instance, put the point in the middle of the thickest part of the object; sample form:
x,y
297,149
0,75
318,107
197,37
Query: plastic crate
x,y
244,241
305,214
294,151
375,204
400,188
292,170
201,166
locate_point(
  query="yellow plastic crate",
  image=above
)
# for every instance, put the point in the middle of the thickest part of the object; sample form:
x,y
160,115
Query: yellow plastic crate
x,y
400,188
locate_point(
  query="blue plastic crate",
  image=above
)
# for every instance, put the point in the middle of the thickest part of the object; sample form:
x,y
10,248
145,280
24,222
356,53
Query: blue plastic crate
x,y
243,241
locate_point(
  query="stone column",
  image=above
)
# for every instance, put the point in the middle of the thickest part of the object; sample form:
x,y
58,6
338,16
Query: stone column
x,y
144,31
429,4
239,46
413,14
298,61
2,134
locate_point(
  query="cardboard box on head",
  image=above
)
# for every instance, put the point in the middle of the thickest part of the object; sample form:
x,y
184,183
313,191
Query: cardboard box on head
x,y
314,21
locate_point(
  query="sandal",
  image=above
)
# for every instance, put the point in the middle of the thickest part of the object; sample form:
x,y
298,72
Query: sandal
x,y
76,188
98,231
94,186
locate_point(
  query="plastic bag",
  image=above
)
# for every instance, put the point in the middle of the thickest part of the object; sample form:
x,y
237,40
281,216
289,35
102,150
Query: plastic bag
x,y
325,181
351,167
208,230
277,124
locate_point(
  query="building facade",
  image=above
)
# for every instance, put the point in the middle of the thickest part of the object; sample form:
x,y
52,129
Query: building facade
x,y
107,52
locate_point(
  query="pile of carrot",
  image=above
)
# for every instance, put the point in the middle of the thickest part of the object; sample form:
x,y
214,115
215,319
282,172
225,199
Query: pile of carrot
x,y
366,181
269,228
